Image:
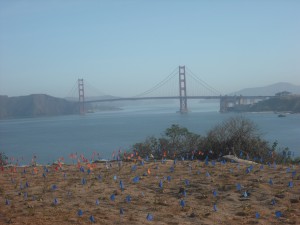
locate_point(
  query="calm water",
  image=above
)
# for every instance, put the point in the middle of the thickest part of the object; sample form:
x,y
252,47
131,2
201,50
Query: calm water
x,y
54,137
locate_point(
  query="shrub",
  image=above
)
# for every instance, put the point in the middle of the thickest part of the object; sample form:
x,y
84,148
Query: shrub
x,y
238,136
3,159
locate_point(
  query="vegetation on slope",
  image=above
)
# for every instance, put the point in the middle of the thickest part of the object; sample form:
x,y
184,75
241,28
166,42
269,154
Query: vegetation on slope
x,y
238,136
288,103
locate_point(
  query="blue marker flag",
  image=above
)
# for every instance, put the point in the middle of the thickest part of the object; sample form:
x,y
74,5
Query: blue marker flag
x,y
257,215
97,202
55,202
182,203
160,184
133,168
278,214
238,186
215,193
271,181
92,219
261,167
54,187
26,185
207,174
128,198
121,185
112,197
149,217
290,185
83,181
248,170
80,212
215,208
121,211
135,179
273,202
187,182
169,178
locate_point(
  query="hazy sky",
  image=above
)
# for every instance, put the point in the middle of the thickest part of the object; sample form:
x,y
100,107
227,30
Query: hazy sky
x,y
125,47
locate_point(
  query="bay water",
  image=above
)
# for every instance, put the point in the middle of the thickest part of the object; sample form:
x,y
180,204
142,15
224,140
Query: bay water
x,y
49,138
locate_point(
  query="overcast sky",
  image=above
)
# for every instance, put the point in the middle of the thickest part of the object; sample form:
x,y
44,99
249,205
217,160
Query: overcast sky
x,y
125,47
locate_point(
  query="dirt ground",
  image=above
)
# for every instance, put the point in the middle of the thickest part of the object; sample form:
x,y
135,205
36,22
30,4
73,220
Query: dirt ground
x,y
185,192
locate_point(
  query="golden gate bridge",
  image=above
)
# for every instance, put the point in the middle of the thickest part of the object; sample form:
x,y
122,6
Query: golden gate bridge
x,y
184,90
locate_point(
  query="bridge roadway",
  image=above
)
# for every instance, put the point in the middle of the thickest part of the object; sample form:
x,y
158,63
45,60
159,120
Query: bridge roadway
x,y
178,97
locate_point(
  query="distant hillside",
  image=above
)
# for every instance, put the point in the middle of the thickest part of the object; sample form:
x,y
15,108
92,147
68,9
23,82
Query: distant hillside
x,y
75,99
269,90
278,104
288,103
35,105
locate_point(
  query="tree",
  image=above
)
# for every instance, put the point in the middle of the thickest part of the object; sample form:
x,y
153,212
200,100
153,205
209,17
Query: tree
x,y
148,147
234,135
180,140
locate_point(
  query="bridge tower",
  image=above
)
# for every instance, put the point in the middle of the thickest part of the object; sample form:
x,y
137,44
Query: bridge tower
x,y
182,90
81,96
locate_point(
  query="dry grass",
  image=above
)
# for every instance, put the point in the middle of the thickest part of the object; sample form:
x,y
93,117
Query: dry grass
x,y
148,197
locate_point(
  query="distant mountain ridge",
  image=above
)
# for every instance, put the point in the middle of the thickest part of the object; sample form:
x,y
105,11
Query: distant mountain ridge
x,y
269,90
35,105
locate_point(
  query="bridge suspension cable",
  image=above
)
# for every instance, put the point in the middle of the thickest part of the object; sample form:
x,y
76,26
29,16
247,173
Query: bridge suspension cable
x,y
73,93
160,84
203,83
92,91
